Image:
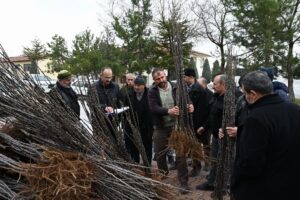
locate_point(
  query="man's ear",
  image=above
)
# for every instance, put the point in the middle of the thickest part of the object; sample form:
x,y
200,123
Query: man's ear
x,y
252,92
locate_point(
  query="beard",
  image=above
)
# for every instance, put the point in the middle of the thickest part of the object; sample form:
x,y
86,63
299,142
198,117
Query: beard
x,y
162,84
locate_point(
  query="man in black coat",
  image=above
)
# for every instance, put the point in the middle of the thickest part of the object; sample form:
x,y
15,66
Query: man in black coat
x,y
214,123
267,160
63,87
108,91
203,82
199,99
141,118
107,94
127,89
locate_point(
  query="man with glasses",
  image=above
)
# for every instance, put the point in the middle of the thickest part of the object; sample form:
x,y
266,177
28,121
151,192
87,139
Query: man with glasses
x,y
107,90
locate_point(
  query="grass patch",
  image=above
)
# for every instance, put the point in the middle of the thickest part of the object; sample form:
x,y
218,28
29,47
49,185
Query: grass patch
x,y
297,101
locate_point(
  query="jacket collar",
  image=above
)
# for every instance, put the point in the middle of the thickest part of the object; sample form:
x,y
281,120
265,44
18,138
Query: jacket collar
x,y
173,85
266,100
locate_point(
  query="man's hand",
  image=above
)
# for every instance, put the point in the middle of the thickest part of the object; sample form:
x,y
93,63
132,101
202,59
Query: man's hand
x,y
200,130
231,131
190,108
109,109
174,111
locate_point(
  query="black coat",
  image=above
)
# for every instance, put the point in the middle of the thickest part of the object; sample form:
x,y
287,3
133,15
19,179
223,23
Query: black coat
x,y
199,98
140,113
69,97
267,159
108,95
214,121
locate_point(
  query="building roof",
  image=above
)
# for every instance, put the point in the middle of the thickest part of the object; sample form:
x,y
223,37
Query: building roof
x,y
198,53
21,58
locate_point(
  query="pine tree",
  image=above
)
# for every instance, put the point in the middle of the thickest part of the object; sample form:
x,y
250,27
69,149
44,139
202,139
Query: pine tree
x,y
35,53
58,54
133,29
216,69
206,73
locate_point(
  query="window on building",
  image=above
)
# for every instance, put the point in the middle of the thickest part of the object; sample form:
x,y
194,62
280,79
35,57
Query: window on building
x,y
30,69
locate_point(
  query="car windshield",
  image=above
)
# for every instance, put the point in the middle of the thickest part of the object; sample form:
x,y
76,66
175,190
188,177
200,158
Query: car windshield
x,y
40,77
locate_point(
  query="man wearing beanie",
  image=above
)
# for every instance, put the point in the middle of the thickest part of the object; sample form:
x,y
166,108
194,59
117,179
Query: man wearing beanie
x,y
63,87
200,101
278,87
140,114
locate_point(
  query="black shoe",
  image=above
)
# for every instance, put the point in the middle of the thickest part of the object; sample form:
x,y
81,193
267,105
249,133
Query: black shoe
x,y
205,186
184,189
206,168
172,167
194,172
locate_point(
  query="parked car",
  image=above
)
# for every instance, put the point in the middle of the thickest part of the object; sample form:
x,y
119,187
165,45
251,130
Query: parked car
x,y
80,86
43,81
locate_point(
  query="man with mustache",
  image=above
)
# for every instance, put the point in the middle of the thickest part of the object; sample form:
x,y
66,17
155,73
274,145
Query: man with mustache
x,y
164,110
63,87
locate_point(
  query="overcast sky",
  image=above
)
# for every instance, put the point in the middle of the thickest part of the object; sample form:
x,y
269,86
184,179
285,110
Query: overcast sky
x,y
24,20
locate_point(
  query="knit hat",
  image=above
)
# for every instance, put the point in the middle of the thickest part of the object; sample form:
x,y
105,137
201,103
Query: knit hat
x,y
139,80
63,74
269,72
189,72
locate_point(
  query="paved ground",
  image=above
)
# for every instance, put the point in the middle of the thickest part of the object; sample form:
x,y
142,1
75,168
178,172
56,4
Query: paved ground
x,y
193,181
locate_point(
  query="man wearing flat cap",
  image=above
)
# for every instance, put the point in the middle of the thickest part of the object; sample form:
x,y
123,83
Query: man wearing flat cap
x,y
140,114
64,89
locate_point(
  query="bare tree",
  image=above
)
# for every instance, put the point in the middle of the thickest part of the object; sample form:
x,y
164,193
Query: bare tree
x,y
213,24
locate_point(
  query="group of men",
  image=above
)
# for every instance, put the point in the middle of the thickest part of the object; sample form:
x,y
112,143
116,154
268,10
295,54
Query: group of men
x,y
267,139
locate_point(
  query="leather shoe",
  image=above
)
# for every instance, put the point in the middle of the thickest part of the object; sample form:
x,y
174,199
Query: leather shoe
x,y
184,189
172,167
194,172
205,186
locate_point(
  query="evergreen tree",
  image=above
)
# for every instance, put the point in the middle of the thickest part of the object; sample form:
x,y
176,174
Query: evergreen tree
x,y
58,54
35,53
86,54
111,55
133,29
165,37
193,65
268,30
256,27
206,73
216,69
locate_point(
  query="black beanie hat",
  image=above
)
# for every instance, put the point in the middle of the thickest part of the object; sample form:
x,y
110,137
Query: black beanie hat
x,y
189,72
139,80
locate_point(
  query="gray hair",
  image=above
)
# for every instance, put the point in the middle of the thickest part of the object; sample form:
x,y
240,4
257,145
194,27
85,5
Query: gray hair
x,y
130,75
222,78
257,81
